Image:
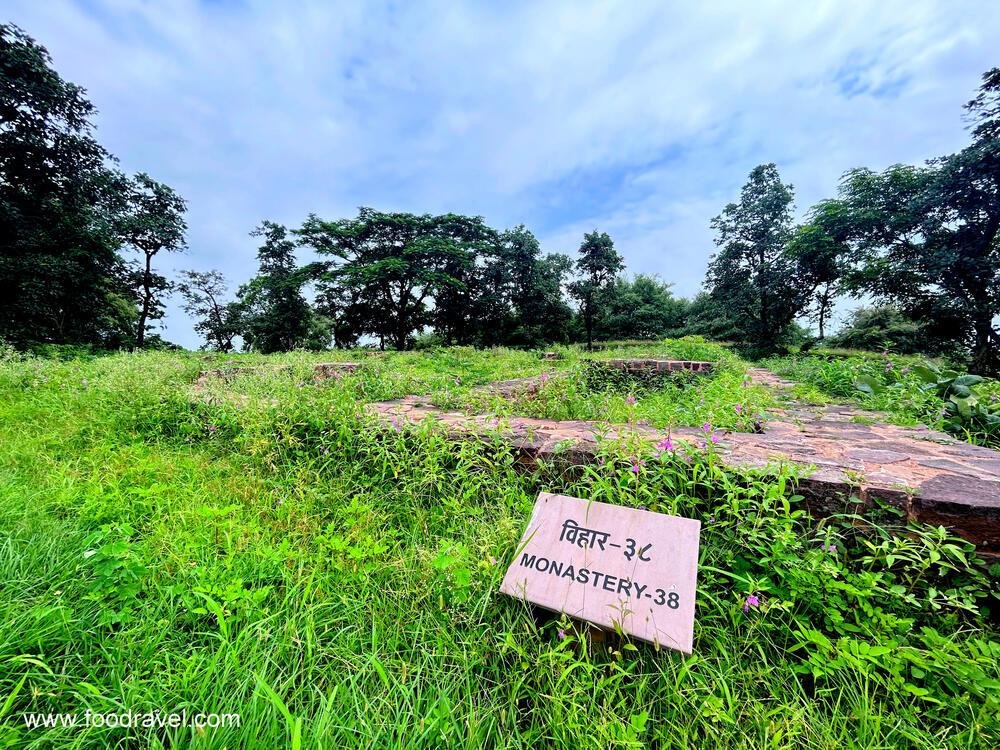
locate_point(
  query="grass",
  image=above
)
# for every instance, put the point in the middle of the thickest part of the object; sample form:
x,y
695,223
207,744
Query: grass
x,y
334,583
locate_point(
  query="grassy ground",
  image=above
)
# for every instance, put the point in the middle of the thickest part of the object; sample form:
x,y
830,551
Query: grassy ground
x,y
334,583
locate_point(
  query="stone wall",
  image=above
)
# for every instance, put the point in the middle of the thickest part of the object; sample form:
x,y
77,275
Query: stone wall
x,y
655,365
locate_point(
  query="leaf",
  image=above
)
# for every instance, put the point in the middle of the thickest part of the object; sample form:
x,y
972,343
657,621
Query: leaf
x,y
868,384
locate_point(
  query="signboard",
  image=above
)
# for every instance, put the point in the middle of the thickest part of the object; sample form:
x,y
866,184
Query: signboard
x,y
610,565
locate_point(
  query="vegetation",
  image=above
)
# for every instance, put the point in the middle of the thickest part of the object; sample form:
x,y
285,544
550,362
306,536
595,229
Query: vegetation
x,y
289,560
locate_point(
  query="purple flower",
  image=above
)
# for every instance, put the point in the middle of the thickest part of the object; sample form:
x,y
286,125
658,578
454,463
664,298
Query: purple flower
x,y
630,401
905,370
636,464
543,380
711,519
706,427
561,634
495,422
831,548
714,438
752,601
739,408
493,561
212,428
665,445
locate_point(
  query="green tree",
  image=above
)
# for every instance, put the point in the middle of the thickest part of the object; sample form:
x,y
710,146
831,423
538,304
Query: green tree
x,y
216,320
275,316
521,301
881,327
403,271
60,270
752,278
927,239
819,255
152,220
598,264
642,308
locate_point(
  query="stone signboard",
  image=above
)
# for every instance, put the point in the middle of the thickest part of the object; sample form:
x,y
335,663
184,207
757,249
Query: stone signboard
x,y
610,565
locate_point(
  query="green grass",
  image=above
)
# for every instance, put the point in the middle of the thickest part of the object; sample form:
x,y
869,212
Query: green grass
x,y
335,583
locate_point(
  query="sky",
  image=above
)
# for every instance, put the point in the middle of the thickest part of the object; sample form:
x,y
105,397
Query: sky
x,y
641,119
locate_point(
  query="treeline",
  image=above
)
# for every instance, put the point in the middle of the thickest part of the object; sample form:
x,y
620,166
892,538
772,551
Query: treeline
x,y
77,236
79,240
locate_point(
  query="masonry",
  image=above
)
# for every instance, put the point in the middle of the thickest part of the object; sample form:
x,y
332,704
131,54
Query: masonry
x,y
848,465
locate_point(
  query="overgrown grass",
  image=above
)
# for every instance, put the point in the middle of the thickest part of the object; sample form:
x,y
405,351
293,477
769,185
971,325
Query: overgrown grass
x,y
335,583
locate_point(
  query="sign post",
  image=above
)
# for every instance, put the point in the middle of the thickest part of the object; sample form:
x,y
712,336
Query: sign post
x,y
613,566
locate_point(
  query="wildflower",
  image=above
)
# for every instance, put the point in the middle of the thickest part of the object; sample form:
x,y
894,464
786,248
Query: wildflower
x,y
711,519
495,422
665,445
752,601
493,561
562,634
636,464
212,428
831,548
706,427
739,408
905,370
888,366
544,378
630,401
714,438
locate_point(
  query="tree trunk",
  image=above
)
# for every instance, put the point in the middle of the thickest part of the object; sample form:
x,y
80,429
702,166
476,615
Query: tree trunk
x,y
140,334
588,317
985,354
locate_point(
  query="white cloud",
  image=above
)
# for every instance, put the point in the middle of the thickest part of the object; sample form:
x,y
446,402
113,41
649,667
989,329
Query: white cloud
x,y
641,118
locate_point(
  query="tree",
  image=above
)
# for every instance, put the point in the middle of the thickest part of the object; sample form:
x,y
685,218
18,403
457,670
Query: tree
x,y
598,265
275,315
752,279
60,277
878,328
927,239
543,315
153,220
642,308
819,256
215,319
404,271
520,299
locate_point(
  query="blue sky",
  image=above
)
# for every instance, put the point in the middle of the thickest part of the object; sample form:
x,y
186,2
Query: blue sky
x,y
638,118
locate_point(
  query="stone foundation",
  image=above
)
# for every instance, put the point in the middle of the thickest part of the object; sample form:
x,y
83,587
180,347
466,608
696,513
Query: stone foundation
x,y
655,365
931,477
326,370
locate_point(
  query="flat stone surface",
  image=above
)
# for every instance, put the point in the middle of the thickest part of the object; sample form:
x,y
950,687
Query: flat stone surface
x,y
931,476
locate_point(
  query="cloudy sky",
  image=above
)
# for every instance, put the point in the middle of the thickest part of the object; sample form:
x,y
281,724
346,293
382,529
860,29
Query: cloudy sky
x,y
641,119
